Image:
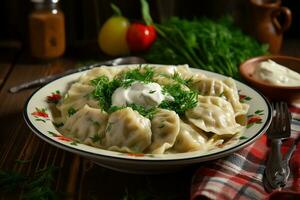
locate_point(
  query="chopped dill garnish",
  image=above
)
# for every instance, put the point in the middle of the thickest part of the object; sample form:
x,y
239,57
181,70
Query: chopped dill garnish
x,y
96,123
148,113
104,90
144,74
180,80
176,77
222,94
162,125
109,126
183,100
71,111
58,125
96,138
115,108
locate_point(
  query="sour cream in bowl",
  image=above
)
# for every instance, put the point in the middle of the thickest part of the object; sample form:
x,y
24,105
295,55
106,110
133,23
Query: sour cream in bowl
x,y
276,74
277,77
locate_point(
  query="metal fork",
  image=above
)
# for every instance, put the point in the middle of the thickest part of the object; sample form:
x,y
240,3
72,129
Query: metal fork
x,y
277,169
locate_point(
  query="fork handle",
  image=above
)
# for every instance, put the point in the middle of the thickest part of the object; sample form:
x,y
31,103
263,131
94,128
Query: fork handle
x,y
275,172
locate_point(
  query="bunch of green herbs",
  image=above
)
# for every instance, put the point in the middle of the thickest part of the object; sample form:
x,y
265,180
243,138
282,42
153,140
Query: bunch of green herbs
x,y
217,46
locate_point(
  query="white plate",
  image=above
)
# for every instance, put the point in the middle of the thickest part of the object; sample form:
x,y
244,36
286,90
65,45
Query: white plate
x,y
41,124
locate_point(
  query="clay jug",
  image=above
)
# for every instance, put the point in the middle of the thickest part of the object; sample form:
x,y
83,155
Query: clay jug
x,y
265,25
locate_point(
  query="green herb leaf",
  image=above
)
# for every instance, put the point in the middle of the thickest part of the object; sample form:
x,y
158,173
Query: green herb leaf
x,y
38,186
176,77
96,138
58,125
71,111
115,108
141,74
148,113
183,100
10,180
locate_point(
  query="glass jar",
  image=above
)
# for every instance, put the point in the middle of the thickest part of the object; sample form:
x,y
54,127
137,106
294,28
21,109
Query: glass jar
x,y
46,29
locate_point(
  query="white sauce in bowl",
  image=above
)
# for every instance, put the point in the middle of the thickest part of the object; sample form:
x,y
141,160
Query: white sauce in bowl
x,y
276,74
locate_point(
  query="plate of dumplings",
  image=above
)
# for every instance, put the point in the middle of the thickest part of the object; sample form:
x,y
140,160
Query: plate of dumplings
x,y
147,118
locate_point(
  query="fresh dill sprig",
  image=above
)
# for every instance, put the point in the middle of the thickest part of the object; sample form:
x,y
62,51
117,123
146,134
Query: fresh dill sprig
x,y
10,180
183,100
148,113
38,186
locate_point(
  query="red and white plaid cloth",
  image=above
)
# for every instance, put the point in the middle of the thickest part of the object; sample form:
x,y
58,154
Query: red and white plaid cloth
x,y
239,176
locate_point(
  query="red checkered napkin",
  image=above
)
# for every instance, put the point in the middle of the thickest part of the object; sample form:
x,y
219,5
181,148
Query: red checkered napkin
x,y
239,176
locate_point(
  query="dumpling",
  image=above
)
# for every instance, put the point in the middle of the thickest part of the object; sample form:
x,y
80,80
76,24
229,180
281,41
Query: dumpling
x,y
110,72
185,72
164,74
165,70
87,125
189,139
225,89
77,96
233,98
127,131
163,80
165,128
214,114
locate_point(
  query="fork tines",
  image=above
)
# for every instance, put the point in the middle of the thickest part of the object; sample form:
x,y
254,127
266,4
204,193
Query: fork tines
x,y
281,125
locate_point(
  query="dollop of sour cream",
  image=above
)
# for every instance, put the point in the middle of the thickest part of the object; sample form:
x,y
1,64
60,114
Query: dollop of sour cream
x,y
276,74
147,95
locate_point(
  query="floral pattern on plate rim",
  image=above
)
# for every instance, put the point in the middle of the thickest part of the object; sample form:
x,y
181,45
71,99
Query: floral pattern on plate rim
x,y
40,114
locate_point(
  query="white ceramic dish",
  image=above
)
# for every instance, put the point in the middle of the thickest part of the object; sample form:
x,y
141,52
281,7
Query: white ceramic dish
x,y
39,118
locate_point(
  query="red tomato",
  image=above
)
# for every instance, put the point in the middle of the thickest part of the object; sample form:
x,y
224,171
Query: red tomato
x,y
140,36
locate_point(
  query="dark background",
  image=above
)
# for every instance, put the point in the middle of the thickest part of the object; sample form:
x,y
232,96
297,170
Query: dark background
x,y
85,17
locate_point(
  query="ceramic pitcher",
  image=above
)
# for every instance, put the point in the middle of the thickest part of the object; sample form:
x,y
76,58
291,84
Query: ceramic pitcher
x,y
265,25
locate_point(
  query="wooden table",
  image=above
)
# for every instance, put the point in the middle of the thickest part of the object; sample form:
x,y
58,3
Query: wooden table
x,y
73,177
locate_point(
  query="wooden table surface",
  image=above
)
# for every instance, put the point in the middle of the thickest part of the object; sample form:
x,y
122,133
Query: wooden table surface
x,y
74,177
